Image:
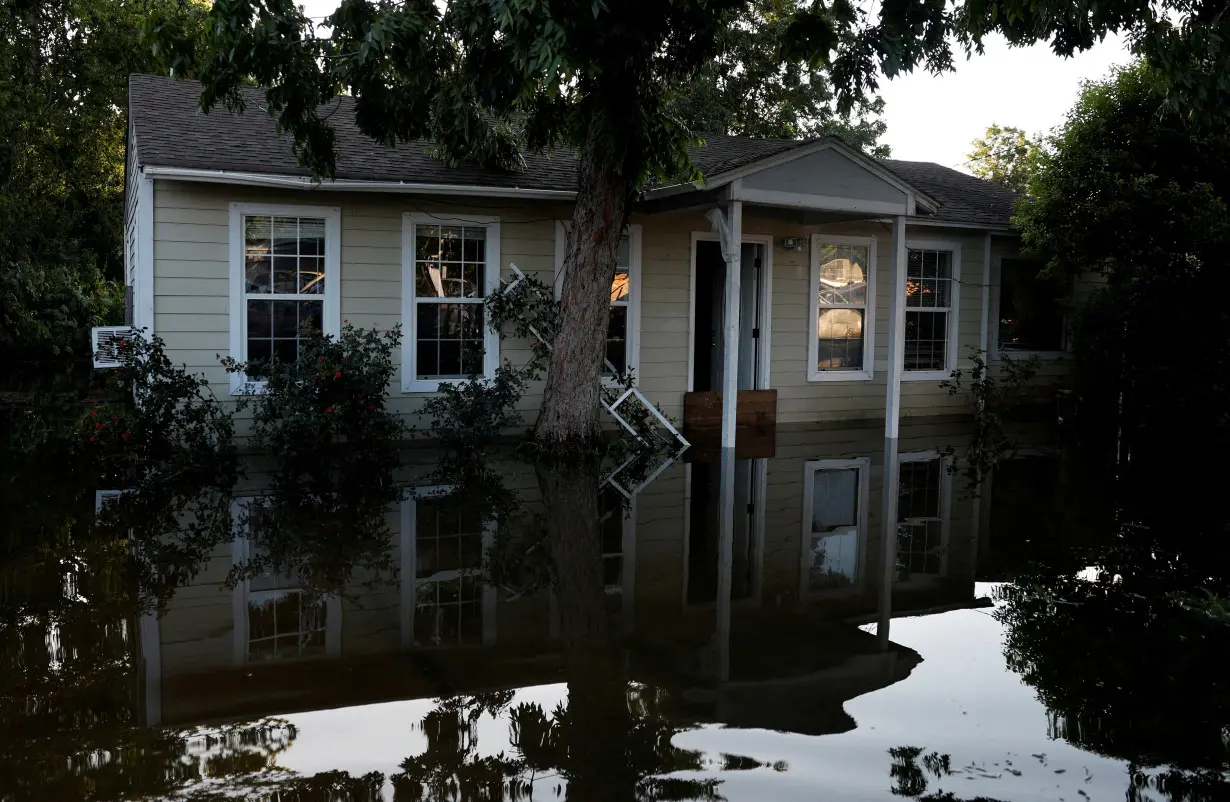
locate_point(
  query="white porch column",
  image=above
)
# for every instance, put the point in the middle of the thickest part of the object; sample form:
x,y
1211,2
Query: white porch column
x,y
730,228
892,426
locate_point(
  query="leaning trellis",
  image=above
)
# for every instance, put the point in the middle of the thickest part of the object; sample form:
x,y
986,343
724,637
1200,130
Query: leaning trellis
x,y
659,443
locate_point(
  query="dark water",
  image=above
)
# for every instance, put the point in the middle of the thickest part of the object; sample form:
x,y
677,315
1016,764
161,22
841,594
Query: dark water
x,y
645,666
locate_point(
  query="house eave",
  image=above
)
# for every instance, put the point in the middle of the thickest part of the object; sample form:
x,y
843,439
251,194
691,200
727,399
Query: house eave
x,y
348,185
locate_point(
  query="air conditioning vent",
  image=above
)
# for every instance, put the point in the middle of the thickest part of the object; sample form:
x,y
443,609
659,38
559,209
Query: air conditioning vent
x,y
106,341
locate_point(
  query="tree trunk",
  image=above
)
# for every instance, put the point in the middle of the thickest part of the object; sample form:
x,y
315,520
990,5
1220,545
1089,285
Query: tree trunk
x,y
570,404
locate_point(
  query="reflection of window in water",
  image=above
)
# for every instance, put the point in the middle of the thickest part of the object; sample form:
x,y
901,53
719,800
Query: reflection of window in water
x,y
614,514
284,621
920,523
841,294
448,544
834,527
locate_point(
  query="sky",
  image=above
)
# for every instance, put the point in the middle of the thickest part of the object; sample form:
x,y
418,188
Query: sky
x,y
934,118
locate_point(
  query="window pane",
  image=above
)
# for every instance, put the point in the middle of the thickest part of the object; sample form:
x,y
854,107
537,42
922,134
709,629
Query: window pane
x,y
286,351
285,318
261,619
623,256
312,315
926,340
257,232
450,243
920,485
428,280
834,499
843,275
450,340
427,362
1030,308
450,359
312,236
311,275
257,270
620,286
286,236
617,339
840,339
260,319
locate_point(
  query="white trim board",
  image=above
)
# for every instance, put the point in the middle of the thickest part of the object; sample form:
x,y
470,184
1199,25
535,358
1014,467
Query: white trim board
x,y
409,308
332,313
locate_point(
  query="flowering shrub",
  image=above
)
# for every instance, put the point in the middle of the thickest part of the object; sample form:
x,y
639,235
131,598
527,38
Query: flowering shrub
x,y
324,421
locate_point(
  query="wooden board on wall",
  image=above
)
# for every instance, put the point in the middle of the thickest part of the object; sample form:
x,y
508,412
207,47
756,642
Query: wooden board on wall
x,y
755,424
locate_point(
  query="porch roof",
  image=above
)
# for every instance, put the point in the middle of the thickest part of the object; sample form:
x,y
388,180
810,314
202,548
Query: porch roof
x,y
175,140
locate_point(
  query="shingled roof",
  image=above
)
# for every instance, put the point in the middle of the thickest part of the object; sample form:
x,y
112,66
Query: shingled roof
x,y
170,131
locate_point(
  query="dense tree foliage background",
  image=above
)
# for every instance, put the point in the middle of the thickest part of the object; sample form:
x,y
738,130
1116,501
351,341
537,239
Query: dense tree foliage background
x,y
1138,193
64,67
747,89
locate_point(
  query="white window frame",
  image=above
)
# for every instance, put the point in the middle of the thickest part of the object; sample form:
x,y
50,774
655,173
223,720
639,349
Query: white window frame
x,y
408,569
996,351
409,303
634,290
863,466
814,374
954,310
332,314
945,502
241,550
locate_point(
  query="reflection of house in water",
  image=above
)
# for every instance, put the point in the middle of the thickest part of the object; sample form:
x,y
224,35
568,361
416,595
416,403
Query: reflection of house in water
x,y
808,560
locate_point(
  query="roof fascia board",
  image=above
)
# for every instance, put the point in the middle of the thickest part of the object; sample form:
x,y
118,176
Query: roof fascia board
x,y
348,185
924,221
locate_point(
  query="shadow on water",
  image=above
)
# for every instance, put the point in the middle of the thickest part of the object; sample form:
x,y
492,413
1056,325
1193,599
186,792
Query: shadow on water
x,y
528,630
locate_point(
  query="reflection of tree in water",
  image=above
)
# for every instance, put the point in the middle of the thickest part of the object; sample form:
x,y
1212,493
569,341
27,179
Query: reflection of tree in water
x,y
551,748
1124,666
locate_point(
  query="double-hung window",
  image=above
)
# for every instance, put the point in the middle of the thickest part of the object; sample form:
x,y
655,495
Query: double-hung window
x,y
835,507
622,351
932,290
450,266
922,513
841,347
285,275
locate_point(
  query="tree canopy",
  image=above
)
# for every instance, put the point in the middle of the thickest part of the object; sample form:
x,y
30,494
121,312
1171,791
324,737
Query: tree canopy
x,y
64,67
1005,156
1137,193
748,90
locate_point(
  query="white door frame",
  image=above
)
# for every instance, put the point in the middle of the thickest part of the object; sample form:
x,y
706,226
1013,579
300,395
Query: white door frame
x,y
766,304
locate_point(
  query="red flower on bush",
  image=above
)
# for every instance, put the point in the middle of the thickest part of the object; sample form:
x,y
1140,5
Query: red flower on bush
x,y
337,375
330,409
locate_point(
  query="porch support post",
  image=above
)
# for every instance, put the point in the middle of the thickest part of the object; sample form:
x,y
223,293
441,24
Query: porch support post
x,y
730,228
892,427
